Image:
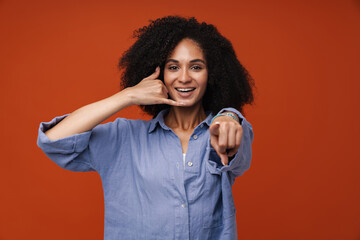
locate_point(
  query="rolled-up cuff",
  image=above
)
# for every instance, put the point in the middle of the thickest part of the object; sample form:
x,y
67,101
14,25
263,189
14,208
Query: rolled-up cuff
x,y
75,143
240,116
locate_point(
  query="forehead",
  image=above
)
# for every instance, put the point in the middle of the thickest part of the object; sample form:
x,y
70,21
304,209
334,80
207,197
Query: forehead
x,y
187,49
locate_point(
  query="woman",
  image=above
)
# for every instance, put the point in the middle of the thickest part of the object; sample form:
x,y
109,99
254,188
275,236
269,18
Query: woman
x,y
170,177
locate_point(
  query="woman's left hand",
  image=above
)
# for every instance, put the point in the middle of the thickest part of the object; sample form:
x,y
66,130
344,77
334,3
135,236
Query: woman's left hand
x,y
225,137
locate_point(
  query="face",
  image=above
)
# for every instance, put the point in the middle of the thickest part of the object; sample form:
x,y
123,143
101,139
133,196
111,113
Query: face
x,y
185,73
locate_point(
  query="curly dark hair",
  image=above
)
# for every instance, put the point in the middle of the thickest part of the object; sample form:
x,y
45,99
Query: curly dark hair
x,y
229,84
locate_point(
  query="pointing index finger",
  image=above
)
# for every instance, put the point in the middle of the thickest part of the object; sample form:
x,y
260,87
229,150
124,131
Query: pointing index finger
x,y
223,156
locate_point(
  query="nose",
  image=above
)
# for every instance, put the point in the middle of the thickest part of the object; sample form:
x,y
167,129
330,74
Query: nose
x,y
184,76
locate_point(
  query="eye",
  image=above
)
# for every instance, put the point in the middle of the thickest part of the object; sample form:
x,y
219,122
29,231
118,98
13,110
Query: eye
x,y
196,67
173,67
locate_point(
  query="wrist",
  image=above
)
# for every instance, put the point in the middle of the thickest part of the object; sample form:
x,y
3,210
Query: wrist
x,y
236,117
228,114
124,98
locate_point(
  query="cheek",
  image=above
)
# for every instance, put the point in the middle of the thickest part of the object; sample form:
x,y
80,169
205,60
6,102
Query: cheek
x,y
204,81
167,78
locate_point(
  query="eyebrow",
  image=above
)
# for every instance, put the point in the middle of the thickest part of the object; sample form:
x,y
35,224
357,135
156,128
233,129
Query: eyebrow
x,y
192,61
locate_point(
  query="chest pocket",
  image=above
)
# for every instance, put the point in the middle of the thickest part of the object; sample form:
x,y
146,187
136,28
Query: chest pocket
x,y
220,204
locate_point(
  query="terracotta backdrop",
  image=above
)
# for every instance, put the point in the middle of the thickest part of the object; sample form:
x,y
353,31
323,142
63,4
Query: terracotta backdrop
x,y
56,56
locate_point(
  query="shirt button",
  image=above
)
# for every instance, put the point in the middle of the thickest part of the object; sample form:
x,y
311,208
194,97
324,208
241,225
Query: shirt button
x,y
195,137
190,164
183,205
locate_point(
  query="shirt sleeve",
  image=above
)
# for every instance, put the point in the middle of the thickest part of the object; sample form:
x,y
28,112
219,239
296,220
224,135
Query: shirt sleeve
x,y
242,159
80,152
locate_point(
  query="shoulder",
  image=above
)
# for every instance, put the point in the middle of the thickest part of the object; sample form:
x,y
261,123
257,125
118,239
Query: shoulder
x,y
123,124
137,124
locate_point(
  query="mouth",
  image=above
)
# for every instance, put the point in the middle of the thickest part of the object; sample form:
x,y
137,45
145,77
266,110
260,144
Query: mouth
x,y
185,90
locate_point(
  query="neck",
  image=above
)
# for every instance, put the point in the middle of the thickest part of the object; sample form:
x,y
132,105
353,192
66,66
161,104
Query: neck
x,y
185,119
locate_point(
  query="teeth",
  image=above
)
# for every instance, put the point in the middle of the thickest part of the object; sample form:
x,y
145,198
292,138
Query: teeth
x,y
185,89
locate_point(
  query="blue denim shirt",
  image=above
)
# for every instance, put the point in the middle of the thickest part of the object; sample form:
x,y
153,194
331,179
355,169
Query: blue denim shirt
x,y
148,192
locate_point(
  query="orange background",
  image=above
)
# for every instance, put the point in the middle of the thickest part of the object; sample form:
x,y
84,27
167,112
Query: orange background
x,y
304,183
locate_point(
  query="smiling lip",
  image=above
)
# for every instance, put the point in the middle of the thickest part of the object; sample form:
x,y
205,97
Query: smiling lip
x,y
185,92
185,89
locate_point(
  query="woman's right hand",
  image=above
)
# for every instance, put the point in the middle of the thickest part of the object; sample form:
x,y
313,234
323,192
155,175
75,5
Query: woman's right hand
x,y
147,92
150,91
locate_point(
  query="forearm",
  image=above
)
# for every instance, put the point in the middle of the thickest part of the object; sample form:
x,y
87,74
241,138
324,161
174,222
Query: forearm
x,y
147,92
87,117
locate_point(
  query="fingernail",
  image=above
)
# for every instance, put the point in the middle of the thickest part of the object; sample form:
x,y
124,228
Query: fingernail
x,y
157,68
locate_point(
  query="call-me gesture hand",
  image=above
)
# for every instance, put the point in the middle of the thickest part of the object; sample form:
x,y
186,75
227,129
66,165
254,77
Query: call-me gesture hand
x,y
225,137
151,91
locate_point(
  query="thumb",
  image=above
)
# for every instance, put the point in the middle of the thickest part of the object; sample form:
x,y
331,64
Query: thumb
x,y
156,74
214,129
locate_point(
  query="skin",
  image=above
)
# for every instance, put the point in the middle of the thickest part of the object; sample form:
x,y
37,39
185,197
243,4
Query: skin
x,y
185,68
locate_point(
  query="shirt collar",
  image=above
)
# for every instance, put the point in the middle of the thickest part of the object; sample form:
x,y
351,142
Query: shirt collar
x,y
159,120
207,120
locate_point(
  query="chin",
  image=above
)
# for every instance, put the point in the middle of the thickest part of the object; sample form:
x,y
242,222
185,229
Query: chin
x,y
189,104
